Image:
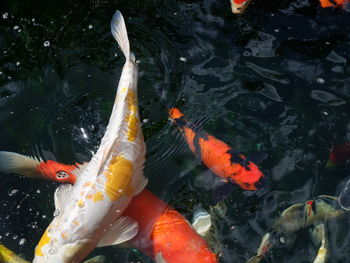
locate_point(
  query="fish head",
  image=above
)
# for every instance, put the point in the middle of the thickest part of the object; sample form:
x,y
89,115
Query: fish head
x,y
58,172
238,6
248,175
281,238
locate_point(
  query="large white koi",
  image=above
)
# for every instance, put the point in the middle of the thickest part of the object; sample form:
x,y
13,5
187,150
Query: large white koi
x,y
88,214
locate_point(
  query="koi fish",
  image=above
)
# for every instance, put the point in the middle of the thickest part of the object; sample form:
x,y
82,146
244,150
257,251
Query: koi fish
x,y
239,6
300,216
36,168
332,3
163,231
164,234
8,256
339,154
218,156
89,214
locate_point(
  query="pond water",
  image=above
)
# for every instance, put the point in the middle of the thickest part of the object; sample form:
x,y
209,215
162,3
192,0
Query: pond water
x,y
275,79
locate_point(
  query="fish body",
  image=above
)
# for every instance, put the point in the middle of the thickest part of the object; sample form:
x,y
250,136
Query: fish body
x,y
298,217
164,234
339,154
333,3
239,6
218,156
88,214
158,224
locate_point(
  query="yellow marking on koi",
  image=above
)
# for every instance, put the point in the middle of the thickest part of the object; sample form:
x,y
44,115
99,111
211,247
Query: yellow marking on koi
x,y
131,118
45,239
119,176
80,203
98,197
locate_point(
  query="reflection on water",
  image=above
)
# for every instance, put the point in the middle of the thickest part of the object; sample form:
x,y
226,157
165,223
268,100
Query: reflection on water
x,y
275,79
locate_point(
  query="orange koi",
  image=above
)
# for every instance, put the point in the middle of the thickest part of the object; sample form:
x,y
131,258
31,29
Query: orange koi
x,y
218,156
332,3
32,167
239,6
163,233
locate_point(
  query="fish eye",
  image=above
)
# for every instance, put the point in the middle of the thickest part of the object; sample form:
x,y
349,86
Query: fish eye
x,y
62,175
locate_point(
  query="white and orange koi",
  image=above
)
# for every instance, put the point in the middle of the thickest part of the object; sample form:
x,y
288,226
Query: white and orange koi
x,y
238,6
89,214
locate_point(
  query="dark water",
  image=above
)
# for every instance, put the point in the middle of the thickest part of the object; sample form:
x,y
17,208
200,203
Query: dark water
x,y
275,79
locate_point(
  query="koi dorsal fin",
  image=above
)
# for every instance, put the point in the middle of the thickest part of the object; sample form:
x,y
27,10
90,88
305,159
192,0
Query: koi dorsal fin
x,y
63,196
124,229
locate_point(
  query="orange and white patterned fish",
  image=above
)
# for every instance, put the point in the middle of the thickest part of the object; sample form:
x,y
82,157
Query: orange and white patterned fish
x,y
89,214
238,6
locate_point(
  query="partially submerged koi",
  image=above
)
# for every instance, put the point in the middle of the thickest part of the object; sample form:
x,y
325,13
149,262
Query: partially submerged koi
x,y
219,157
162,231
11,162
313,212
8,256
88,214
239,6
333,3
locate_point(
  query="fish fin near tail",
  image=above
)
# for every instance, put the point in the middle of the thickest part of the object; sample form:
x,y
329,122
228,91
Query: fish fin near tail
x,y
97,259
11,162
201,222
120,34
124,229
159,258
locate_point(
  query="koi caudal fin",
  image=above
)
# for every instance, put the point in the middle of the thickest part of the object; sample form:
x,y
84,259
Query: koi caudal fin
x,y
11,162
120,34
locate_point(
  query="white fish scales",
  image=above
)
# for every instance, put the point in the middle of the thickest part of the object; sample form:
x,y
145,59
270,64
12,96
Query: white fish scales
x,y
88,214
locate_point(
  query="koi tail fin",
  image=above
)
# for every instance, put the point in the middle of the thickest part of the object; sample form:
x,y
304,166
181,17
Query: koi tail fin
x,y
11,162
120,34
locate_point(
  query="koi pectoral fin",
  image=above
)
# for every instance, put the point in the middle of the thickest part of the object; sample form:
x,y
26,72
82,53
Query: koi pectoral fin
x,y
97,259
124,229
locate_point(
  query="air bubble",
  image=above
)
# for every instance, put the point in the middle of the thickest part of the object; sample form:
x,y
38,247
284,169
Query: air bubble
x,y
56,213
15,27
13,192
5,15
46,43
91,26
22,241
183,59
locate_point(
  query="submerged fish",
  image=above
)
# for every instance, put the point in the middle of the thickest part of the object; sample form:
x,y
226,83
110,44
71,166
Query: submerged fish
x,y
333,3
11,162
218,156
8,256
239,6
158,224
339,154
296,217
88,214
